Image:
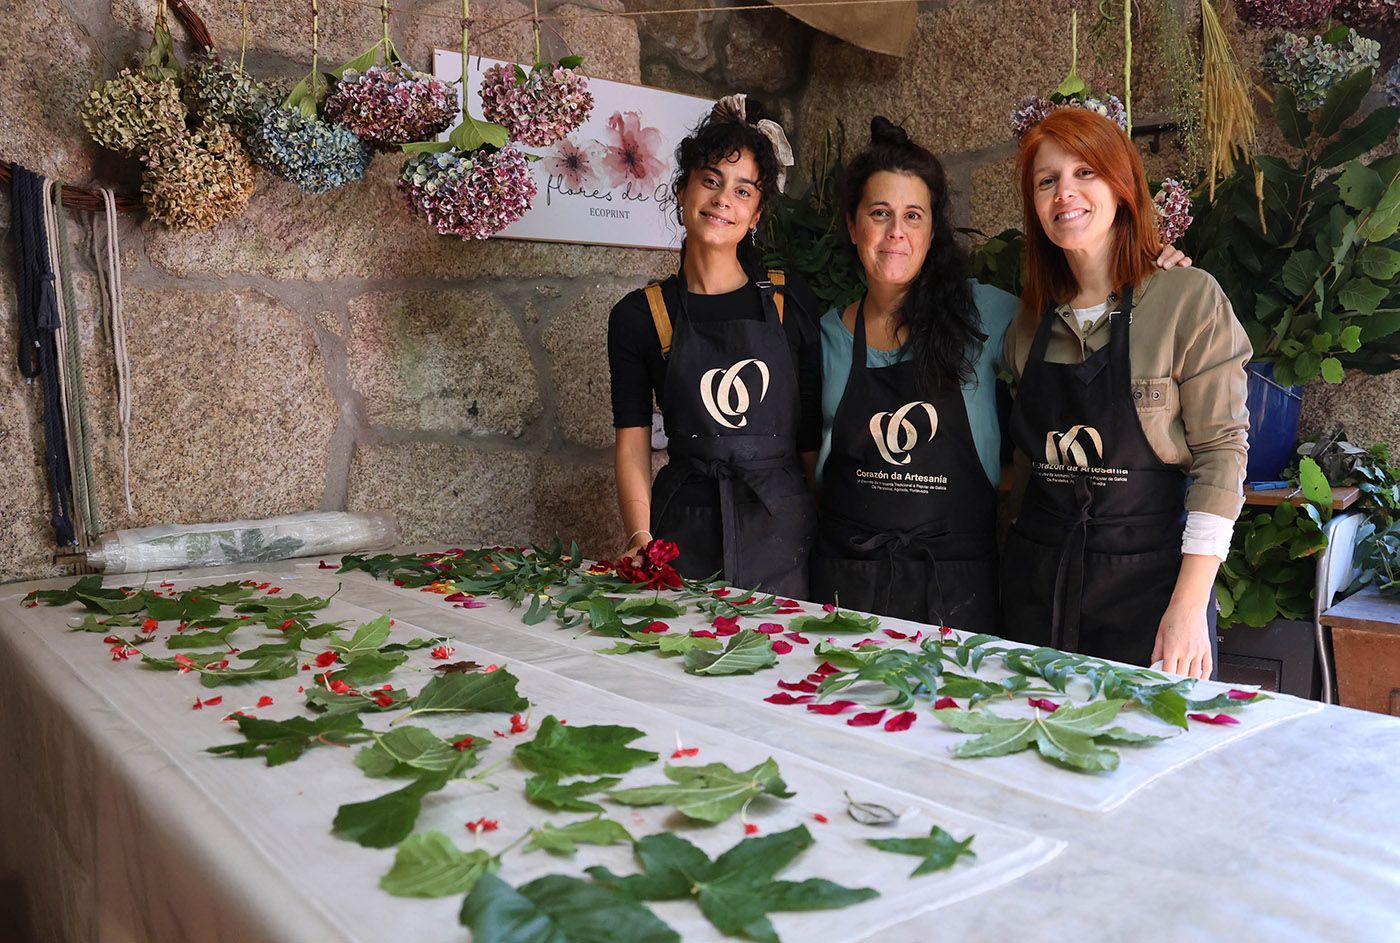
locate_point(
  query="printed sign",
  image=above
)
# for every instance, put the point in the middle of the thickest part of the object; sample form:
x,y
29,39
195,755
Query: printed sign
x,y
608,183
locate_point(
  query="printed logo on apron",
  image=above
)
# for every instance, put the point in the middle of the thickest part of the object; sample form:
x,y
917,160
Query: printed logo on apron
x,y
896,436
1064,448
726,396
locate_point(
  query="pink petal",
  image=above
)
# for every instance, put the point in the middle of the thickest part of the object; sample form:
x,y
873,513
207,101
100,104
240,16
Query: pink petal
x,y
789,603
900,722
867,641
725,633
769,628
473,604
787,610
894,634
1043,704
781,647
655,628
943,703
866,719
945,630
1223,719
828,607
798,637
782,697
1236,694
701,633
456,597
806,686
826,668
726,622
835,707
721,593
917,637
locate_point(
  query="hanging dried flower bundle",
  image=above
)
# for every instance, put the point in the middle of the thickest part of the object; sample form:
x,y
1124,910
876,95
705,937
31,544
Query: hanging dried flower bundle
x,y
1072,93
199,179
141,107
1227,114
1368,12
1284,13
1310,65
219,92
390,105
1392,84
538,108
315,155
1173,202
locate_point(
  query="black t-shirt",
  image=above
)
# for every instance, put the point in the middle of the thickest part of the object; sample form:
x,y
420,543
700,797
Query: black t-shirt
x,y
639,371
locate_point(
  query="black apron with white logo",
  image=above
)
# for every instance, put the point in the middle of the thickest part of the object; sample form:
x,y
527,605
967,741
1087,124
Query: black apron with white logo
x,y
732,411
908,517
1093,558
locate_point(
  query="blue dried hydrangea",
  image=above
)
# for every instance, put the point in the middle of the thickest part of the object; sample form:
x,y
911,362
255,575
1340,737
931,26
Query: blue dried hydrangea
x,y
1309,66
315,155
1392,84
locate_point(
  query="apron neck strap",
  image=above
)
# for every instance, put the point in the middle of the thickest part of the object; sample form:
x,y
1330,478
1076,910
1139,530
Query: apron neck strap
x,y
858,354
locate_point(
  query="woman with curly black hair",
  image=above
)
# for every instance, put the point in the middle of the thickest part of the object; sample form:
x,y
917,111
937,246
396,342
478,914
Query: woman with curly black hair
x,y
909,462
727,350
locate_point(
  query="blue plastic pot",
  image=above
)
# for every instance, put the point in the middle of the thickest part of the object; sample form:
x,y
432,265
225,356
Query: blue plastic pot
x,y
1273,422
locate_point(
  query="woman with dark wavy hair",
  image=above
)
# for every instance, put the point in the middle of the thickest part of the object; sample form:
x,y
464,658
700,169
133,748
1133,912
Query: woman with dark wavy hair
x,y
909,463
724,348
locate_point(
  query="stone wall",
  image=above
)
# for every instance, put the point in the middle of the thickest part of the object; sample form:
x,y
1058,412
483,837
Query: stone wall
x,y
973,59
321,352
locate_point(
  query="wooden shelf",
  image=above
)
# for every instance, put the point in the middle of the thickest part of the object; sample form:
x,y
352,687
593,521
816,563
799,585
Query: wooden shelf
x,y
1342,498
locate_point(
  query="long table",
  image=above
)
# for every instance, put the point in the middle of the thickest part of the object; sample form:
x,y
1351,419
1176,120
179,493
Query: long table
x,y
115,825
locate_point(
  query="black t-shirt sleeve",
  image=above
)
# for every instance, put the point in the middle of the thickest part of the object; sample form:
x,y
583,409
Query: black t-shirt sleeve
x,y
800,317
634,354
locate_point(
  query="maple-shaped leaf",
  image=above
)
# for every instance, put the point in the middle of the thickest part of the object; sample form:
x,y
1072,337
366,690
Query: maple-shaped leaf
x,y
283,606
1065,737
838,620
558,909
89,585
209,639
562,750
737,890
427,864
384,821
321,699
414,644
746,653
190,606
491,692
547,792
938,849
710,793
408,751
281,741
367,669
651,608
564,840
366,640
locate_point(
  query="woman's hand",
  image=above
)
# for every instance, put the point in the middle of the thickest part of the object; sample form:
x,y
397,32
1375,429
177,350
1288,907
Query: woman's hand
x,y
635,550
1183,641
1173,257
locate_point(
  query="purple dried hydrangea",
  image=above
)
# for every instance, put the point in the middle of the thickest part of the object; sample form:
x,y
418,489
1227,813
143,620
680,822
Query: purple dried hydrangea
x,y
315,155
540,109
1368,12
391,105
1034,109
1173,203
1309,66
471,195
1284,13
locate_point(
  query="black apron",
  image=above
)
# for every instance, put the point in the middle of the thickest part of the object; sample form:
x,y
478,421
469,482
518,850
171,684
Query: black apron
x,y
908,517
732,411
1093,558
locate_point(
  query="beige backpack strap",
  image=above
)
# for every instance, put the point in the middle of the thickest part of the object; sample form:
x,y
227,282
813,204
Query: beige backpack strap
x,y
660,317
777,277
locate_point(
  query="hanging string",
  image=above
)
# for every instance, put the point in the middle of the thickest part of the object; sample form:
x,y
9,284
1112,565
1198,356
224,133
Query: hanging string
x,y
109,282
86,525
315,51
466,31
242,33
62,370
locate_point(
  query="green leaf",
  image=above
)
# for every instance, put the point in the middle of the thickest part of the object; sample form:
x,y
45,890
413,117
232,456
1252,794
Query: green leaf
x,y
939,849
1066,736
1294,124
427,864
366,640
1350,341
1367,133
367,669
561,750
653,608
571,62
838,620
1379,262
190,606
1301,270
283,606
566,839
1360,186
411,750
746,653
1381,223
322,699
710,793
737,890
547,792
680,644
472,134
558,909
488,692
361,62
426,147
1332,370
1074,750
1362,295
1131,737
281,741
1314,483
268,668
202,639
1341,103
386,820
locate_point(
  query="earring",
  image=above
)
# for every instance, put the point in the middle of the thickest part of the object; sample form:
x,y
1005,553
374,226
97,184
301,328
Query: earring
x,y
753,235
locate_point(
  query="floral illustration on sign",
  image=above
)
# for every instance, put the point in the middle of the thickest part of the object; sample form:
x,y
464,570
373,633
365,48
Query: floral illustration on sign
x,y
574,165
630,152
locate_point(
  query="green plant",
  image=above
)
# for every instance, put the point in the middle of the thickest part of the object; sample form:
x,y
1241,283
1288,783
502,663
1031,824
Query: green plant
x,y
1307,250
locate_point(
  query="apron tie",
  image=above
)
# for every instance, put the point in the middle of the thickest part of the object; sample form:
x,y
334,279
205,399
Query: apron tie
x,y
892,542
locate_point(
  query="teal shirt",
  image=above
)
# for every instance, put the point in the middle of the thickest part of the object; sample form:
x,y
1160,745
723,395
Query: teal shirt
x,y
997,309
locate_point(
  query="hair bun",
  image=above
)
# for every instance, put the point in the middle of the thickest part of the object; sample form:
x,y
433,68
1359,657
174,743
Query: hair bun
x,y
885,131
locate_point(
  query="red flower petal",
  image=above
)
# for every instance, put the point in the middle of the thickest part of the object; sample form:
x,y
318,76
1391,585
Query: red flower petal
x,y
943,703
443,652
684,752
264,701
784,698
819,817
273,590
520,726
788,603
702,633
1043,704
867,641
111,640
384,700
340,687
750,828
781,647
150,625
325,659
835,707
769,628
463,743
866,719
945,630
483,825
894,634
1223,719
900,722
656,628
726,622
323,565
826,668
721,592
1235,694
828,607
806,686
798,637
471,604
287,625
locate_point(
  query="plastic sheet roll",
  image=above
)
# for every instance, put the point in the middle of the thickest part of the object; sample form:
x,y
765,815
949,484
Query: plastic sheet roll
x,y
176,546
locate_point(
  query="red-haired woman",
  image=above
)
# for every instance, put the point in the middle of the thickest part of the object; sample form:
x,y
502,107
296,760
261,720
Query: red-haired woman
x,y
1130,407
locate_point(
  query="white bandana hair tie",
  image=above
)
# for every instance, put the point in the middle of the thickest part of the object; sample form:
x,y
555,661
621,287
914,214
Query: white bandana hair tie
x,y
731,107
781,148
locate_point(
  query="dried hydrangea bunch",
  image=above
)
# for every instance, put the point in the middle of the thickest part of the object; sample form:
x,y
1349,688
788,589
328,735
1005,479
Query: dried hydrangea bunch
x,y
315,155
1310,65
391,105
134,112
538,108
1173,203
1034,109
199,179
1284,13
1392,84
1369,12
219,92
471,195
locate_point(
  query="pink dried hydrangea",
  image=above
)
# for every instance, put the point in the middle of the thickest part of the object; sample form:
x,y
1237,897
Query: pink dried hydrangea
x,y
1034,109
1173,203
538,108
391,105
1284,13
1368,12
471,195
